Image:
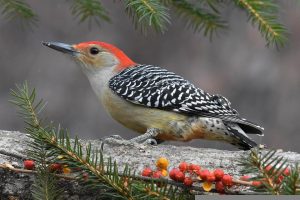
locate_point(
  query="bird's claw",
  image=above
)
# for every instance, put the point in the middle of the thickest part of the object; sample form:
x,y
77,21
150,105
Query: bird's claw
x,y
151,141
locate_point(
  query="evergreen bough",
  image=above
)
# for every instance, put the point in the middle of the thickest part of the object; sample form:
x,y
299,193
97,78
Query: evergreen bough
x,y
201,16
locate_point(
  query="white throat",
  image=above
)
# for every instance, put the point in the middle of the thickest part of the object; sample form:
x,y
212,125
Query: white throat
x,y
99,79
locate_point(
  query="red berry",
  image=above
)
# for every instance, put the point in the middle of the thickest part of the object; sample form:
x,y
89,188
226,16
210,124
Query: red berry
x,y
256,183
179,176
55,167
157,174
203,174
183,166
245,178
286,172
279,179
172,173
210,177
219,173
268,168
29,164
147,172
188,181
198,172
227,180
194,167
85,176
219,186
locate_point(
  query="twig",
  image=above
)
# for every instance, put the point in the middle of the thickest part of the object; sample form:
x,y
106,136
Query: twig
x,y
148,179
27,171
241,182
138,177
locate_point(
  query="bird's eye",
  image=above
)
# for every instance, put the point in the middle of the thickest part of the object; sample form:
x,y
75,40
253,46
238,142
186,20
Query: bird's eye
x,y
94,50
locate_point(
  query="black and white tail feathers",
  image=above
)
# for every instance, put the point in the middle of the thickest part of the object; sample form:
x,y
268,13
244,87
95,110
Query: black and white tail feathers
x,y
239,137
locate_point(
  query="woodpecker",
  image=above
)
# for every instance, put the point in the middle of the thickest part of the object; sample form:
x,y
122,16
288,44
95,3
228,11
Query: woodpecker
x,y
155,102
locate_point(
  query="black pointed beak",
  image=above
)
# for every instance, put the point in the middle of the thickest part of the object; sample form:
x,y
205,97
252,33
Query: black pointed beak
x,y
62,47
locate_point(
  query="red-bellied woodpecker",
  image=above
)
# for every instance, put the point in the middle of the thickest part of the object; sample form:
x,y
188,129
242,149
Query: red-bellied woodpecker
x,y
151,100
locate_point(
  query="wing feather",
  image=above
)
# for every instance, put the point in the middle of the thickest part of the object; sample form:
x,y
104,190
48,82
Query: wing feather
x,y
156,87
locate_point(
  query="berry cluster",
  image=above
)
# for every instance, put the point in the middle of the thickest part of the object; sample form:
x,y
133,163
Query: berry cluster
x,y
161,169
189,173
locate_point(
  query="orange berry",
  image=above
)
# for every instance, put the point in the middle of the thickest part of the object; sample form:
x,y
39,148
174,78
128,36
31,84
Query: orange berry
x,y
29,164
219,186
227,180
188,181
157,174
219,173
203,174
164,172
162,163
207,186
147,172
66,170
183,166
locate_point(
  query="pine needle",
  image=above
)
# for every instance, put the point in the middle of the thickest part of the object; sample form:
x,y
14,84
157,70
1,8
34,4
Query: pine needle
x,y
264,14
148,14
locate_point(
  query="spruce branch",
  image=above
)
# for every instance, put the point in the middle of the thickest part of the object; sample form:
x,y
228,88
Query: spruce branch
x,y
89,10
18,9
270,172
213,5
291,184
264,13
148,14
202,15
45,184
199,19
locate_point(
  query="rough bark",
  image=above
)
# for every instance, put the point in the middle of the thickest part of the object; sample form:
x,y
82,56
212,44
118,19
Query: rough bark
x,y
137,156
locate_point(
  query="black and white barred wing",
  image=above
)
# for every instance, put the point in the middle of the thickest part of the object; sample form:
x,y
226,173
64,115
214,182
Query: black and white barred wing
x,y
155,87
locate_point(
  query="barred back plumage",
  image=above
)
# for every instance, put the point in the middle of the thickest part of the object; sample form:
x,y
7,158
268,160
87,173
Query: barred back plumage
x,y
155,87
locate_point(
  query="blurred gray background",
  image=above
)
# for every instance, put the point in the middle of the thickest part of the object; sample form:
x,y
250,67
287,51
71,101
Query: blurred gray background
x,y
263,84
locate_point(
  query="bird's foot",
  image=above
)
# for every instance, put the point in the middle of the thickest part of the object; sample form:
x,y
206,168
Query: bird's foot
x,y
148,137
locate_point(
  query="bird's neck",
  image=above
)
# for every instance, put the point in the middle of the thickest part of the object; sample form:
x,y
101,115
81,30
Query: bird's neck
x,y
99,79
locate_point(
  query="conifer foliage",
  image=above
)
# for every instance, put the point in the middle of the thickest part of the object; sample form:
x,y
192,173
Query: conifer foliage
x,y
273,174
201,16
